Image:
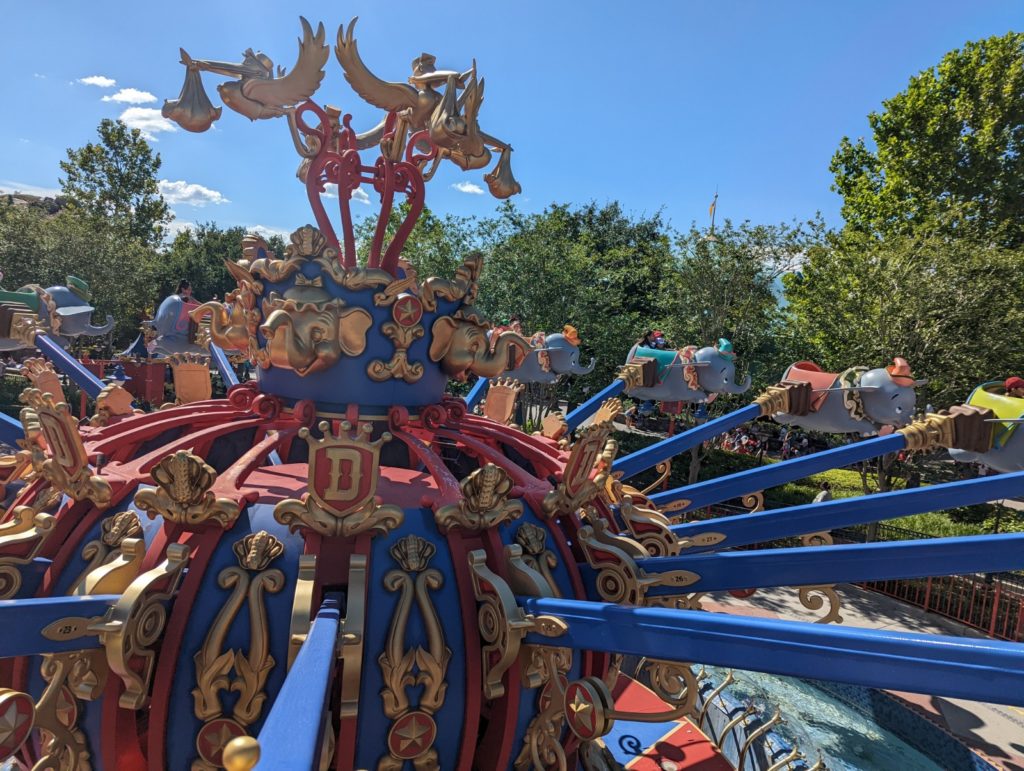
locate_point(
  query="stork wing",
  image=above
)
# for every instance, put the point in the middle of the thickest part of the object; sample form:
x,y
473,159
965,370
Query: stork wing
x,y
304,79
379,93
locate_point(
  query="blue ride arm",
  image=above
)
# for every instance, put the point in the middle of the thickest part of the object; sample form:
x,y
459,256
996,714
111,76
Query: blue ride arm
x,y
23,622
476,393
291,737
967,668
763,477
220,360
70,366
591,405
11,430
746,529
806,566
649,457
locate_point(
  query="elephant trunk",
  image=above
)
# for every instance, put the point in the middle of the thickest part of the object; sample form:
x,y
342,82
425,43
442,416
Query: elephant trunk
x,y
94,330
578,370
738,388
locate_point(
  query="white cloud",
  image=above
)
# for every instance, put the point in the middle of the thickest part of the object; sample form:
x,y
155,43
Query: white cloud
x,y
177,226
10,186
130,96
38,75
358,195
147,120
98,80
468,187
189,193
263,230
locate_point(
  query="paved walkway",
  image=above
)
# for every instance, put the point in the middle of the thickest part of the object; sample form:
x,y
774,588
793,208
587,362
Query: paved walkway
x,y
994,730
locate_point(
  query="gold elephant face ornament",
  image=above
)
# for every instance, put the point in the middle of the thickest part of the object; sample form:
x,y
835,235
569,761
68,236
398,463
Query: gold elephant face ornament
x,y
461,346
311,337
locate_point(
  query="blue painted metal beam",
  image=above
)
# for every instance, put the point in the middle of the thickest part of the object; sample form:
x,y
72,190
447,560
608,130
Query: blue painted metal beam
x,y
591,405
649,457
967,668
477,392
805,566
291,737
66,363
23,622
220,360
747,529
764,477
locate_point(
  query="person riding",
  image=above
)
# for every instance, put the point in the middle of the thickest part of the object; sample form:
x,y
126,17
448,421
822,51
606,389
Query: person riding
x,y
1014,386
184,290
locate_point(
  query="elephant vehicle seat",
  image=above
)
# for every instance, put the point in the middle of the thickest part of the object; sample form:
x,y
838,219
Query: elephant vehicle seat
x,y
1008,408
820,381
662,358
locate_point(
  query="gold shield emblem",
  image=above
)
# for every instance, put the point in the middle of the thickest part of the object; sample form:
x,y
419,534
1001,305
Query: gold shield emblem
x,y
344,469
66,465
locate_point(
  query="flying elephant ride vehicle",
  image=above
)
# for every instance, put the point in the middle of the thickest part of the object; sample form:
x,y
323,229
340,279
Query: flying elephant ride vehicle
x,y
1007,450
63,311
339,566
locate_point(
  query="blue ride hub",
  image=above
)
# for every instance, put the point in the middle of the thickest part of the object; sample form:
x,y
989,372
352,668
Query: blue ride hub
x,y
425,486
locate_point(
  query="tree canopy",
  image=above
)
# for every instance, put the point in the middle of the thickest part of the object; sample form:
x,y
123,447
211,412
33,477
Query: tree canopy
x,y
948,151
116,179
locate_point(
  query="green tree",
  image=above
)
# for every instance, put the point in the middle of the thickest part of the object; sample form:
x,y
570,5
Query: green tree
x,y
728,285
116,179
198,254
948,151
953,309
593,267
436,246
44,249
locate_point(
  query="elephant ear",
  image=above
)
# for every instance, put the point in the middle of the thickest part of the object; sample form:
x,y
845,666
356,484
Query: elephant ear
x,y
441,337
352,327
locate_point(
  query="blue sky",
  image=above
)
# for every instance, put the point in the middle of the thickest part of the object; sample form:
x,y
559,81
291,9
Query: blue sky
x,y
654,104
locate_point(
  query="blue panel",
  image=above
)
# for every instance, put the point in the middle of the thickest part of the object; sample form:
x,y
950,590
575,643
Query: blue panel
x,y
966,668
291,737
477,392
744,482
347,382
591,405
844,564
373,724
70,366
24,620
797,520
181,719
649,457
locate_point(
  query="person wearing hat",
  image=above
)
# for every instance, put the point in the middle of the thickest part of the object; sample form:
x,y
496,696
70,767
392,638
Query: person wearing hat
x,y
1014,387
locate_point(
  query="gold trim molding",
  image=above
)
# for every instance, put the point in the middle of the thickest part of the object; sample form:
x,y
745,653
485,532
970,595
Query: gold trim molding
x,y
183,495
485,503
